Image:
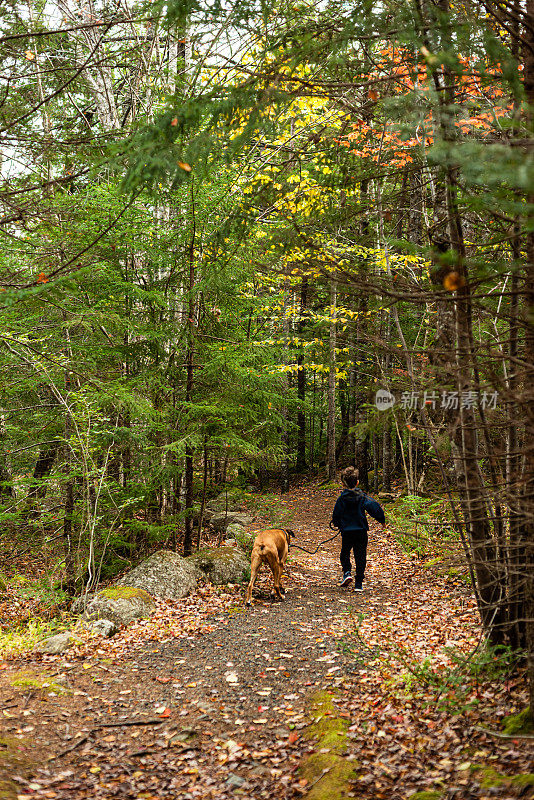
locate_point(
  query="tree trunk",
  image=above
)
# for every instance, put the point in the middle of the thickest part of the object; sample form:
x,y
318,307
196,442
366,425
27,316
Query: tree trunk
x,y
301,385
528,382
189,489
386,460
331,421
43,468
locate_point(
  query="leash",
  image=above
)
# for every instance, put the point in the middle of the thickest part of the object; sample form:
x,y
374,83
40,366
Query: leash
x,y
313,552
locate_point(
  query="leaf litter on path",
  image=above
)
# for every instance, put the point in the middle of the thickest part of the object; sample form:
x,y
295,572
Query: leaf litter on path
x,y
240,681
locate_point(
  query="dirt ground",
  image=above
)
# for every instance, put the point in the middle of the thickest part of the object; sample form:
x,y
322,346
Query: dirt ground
x,y
222,709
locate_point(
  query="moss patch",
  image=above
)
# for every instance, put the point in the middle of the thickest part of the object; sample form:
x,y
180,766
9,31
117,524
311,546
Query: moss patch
x,y
124,593
329,773
332,774
519,724
426,795
331,731
14,760
525,779
488,777
28,681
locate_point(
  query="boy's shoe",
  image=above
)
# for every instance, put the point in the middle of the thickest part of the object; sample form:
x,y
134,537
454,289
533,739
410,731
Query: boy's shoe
x,y
358,586
347,577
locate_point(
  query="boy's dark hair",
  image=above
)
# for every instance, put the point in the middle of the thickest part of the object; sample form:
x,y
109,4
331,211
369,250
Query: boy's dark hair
x,y
350,477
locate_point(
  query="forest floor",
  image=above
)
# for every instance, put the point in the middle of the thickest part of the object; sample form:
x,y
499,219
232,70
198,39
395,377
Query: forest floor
x,y
327,694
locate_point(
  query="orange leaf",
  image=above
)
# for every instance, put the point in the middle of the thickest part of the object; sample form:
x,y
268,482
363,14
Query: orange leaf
x,y
453,281
174,122
42,278
185,166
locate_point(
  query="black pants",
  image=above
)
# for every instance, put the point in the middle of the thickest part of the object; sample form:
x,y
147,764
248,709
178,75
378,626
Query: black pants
x,y
357,541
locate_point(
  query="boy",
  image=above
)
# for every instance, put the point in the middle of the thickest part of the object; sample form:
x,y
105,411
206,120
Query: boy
x,y
349,516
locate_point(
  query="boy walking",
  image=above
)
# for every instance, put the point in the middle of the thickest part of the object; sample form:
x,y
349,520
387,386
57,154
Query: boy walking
x,y
349,516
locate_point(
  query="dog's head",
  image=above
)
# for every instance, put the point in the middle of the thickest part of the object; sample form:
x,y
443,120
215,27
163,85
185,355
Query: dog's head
x,y
289,534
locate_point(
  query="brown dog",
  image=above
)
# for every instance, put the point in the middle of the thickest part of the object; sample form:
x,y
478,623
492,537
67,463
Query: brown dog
x,y
270,547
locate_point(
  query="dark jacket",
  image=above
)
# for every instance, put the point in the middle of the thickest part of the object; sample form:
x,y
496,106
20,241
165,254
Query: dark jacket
x,y
349,511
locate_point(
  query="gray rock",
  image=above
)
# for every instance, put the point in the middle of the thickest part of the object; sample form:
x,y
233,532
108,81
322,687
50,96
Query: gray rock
x,y
220,522
103,627
234,781
164,574
55,644
222,565
120,604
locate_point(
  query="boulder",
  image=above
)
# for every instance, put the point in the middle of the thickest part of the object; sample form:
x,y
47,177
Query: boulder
x,y
220,522
55,644
164,574
222,564
103,627
120,604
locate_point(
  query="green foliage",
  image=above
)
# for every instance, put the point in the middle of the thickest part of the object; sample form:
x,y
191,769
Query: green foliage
x,y
47,592
273,508
20,639
422,526
455,688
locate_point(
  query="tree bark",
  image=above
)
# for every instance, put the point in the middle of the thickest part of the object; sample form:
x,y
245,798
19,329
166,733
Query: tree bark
x,y
301,385
331,420
189,489
528,382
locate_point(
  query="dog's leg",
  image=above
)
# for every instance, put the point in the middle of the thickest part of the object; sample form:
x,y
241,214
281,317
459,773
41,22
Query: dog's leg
x,y
281,574
272,560
255,565
277,577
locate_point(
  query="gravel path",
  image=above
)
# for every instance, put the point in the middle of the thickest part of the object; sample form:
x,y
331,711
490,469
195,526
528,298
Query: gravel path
x,y
229,705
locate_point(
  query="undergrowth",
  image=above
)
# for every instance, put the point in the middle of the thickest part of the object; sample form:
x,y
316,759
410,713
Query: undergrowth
x,y
457,687
20,639
423,526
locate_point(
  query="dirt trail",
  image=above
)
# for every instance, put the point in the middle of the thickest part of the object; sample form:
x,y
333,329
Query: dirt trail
x,y
225,710
236,697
